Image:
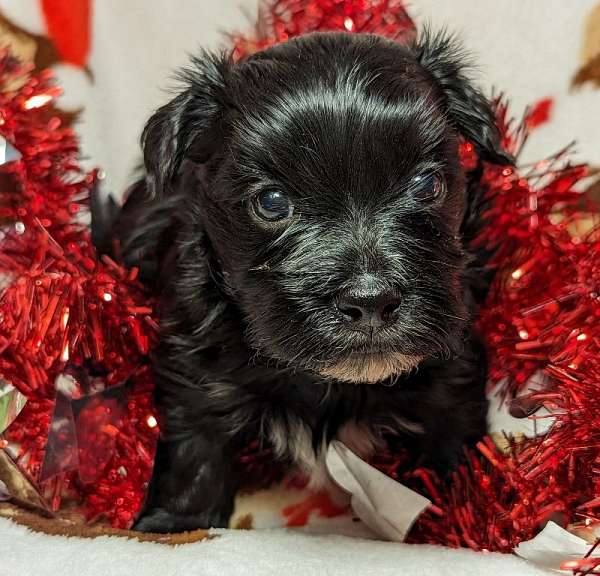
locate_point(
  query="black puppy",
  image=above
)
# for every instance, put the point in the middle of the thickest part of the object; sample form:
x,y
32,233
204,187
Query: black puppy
x,y
304,219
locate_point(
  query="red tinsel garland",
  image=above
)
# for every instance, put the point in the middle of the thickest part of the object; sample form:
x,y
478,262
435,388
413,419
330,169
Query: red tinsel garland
x,y
280,20
66,308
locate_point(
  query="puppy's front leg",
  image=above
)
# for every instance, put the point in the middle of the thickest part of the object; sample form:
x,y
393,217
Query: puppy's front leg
x,y
448,397
457,414
193,485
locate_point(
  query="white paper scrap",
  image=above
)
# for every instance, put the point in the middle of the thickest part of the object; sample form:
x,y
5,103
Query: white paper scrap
x,y
553,546
383,504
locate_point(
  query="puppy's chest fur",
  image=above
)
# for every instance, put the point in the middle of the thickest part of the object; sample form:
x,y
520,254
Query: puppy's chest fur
x,y
293,440
302,438
297,414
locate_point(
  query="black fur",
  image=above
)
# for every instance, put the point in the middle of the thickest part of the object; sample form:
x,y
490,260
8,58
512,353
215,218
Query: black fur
x,y
341,124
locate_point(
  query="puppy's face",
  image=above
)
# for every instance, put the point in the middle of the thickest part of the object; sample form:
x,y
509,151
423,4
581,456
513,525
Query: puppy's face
x,y
331,195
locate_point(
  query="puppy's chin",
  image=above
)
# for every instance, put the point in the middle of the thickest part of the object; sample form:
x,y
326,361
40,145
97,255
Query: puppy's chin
x,y
370,368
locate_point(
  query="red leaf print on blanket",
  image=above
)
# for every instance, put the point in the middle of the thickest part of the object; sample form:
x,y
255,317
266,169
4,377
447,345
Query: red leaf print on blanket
x,y
69,26
319,502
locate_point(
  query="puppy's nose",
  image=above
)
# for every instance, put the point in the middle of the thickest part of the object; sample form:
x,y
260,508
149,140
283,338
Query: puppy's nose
x,y
369,310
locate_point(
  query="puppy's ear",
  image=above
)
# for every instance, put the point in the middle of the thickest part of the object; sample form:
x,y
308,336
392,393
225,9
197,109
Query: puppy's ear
x,y
442,56
187,127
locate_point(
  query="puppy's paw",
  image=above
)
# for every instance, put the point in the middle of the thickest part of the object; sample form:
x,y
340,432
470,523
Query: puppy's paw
x,y
161,521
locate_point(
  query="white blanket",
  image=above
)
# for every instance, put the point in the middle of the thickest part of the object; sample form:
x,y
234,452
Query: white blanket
x,y
243,553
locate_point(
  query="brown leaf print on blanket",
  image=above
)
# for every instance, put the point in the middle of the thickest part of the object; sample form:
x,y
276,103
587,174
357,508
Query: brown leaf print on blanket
x,y
589,53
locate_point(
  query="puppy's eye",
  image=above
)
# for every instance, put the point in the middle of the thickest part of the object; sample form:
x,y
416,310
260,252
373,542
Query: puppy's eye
x,y
428,186
273,205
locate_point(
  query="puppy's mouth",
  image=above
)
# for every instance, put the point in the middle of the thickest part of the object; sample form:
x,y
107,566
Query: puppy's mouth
x,y
370,367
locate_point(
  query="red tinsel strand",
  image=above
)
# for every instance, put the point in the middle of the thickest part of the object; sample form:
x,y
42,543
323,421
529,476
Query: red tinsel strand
x,y
280,20
119,494
62,306
528,225
584,566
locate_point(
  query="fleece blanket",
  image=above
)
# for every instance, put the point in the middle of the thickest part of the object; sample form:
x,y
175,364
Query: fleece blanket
x,y
242,552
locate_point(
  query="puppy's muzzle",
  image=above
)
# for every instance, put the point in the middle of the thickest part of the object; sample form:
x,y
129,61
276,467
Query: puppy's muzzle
x,y
371,368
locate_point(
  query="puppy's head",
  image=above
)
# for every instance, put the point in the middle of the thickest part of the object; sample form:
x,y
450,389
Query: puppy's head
x,y
330,193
